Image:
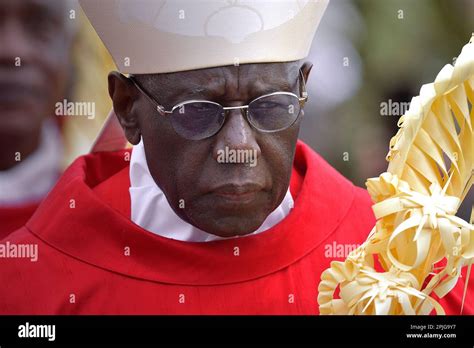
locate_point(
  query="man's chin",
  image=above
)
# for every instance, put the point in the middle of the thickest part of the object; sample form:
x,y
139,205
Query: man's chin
x,y
229,216
228,227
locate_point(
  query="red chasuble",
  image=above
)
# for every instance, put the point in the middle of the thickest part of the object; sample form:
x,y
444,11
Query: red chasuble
x,y
92,259
12,218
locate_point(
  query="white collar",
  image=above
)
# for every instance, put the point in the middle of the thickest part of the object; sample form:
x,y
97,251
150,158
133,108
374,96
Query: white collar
x,y
30,180
147,199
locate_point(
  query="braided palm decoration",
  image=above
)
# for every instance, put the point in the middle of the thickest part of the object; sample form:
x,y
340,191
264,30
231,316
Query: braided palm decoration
x,y
418,245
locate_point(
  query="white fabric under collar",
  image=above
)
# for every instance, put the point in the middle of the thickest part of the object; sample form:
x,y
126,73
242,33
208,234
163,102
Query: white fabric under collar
x,y
30,180
147,199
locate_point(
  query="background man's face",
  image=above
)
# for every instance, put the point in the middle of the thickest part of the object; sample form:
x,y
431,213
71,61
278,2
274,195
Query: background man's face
x,y
224,199
34,62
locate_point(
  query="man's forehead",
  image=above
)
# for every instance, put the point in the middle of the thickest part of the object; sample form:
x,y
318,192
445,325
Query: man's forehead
x,y
265,70
256,75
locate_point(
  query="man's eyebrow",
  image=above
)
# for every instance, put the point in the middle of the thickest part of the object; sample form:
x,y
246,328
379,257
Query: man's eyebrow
x,y
197,89
261,87
216,87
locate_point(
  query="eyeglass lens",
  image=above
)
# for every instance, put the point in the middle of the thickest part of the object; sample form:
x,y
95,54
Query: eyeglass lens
x,y
198,120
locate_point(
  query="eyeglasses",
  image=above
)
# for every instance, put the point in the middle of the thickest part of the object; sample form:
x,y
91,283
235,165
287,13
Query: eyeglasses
x,y
201,119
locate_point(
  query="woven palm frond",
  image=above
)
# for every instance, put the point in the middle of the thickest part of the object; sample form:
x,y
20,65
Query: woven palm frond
x,y
418,241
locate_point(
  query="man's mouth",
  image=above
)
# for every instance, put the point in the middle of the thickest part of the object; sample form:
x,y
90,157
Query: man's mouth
x,y
237,193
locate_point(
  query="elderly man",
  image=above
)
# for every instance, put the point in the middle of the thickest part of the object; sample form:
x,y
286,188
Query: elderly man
x,y
220,209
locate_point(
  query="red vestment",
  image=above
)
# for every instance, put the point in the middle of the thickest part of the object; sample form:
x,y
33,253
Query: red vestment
x,y
94,260
12,218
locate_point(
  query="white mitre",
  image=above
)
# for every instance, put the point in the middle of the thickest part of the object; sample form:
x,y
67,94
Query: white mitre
x,y
160,36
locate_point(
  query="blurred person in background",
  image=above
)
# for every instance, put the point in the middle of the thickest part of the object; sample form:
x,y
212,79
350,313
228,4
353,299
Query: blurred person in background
x,y
48,54
35,66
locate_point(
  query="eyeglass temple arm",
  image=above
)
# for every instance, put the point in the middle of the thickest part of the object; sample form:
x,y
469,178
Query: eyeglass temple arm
x,y
304,94
160,108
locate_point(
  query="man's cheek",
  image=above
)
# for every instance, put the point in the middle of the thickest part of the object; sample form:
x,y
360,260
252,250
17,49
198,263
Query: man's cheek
x,y
185,190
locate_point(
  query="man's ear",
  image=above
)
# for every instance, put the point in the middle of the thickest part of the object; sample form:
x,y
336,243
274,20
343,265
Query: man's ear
x,y
123,95
306,69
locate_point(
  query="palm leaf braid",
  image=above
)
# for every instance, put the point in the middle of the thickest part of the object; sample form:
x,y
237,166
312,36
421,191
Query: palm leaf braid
x,y
418,245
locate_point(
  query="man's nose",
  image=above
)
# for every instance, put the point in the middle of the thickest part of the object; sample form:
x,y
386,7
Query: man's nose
x,y
236,134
